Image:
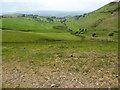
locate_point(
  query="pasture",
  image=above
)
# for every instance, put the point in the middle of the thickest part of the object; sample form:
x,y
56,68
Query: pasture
x,y
68,52
60,65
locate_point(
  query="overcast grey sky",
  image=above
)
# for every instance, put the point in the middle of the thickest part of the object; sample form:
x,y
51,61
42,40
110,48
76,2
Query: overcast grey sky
x,y
59,5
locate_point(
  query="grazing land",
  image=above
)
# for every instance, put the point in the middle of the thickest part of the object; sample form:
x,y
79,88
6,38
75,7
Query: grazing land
x,y
68,52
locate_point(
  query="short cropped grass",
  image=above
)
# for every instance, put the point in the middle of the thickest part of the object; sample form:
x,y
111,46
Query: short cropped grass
x,y
91,60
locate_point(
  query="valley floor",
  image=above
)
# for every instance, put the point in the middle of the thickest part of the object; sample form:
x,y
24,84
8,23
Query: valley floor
x,y
84,64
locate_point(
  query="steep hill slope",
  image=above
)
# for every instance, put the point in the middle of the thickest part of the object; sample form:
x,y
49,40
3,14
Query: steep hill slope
x,y
103,22
104,18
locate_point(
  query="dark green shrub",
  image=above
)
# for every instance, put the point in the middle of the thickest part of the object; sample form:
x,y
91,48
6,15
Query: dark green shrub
x,y
111,34
86,30
23,15
94,34
49,19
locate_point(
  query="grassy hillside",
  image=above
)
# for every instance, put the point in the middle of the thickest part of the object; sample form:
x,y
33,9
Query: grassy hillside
x,y
17,36
30,24
102,22
31,28
69,52
103,18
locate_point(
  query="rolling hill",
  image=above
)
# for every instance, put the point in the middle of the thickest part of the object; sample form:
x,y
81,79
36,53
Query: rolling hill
x,y
32,28
105,17
101,21
69,52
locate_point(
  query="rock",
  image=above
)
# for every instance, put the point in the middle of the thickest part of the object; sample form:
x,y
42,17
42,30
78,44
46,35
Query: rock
x,y
22,76
48,78
107,71
100,79
71,55
117,75
55,85
97,83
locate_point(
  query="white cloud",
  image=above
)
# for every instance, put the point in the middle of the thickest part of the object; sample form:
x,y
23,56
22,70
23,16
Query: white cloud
x,y
54,1
55,4
22,0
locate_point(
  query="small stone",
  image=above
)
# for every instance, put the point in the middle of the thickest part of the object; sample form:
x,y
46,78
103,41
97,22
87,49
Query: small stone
x,y
117,75
107,71
71,55
97,83
22,76
100,79
55,85
48,78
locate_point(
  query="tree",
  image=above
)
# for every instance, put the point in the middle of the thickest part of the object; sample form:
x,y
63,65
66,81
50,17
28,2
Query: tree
x,y
63,21
53,17
23,15
85,29
49,19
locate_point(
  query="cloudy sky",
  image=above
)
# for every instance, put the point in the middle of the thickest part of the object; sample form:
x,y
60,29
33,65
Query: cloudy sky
x,y
61,5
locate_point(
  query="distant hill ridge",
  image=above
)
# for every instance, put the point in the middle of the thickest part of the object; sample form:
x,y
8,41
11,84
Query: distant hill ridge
x,y
101,22
50,13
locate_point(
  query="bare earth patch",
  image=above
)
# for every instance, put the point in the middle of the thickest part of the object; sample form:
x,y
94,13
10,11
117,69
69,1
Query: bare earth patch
x,y
59,67
25,75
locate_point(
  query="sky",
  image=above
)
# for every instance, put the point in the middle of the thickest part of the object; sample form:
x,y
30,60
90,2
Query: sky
x,y
52,5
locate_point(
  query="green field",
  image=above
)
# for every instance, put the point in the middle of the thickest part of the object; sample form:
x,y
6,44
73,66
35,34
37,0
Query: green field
x,y
72,64
27,29
50,52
